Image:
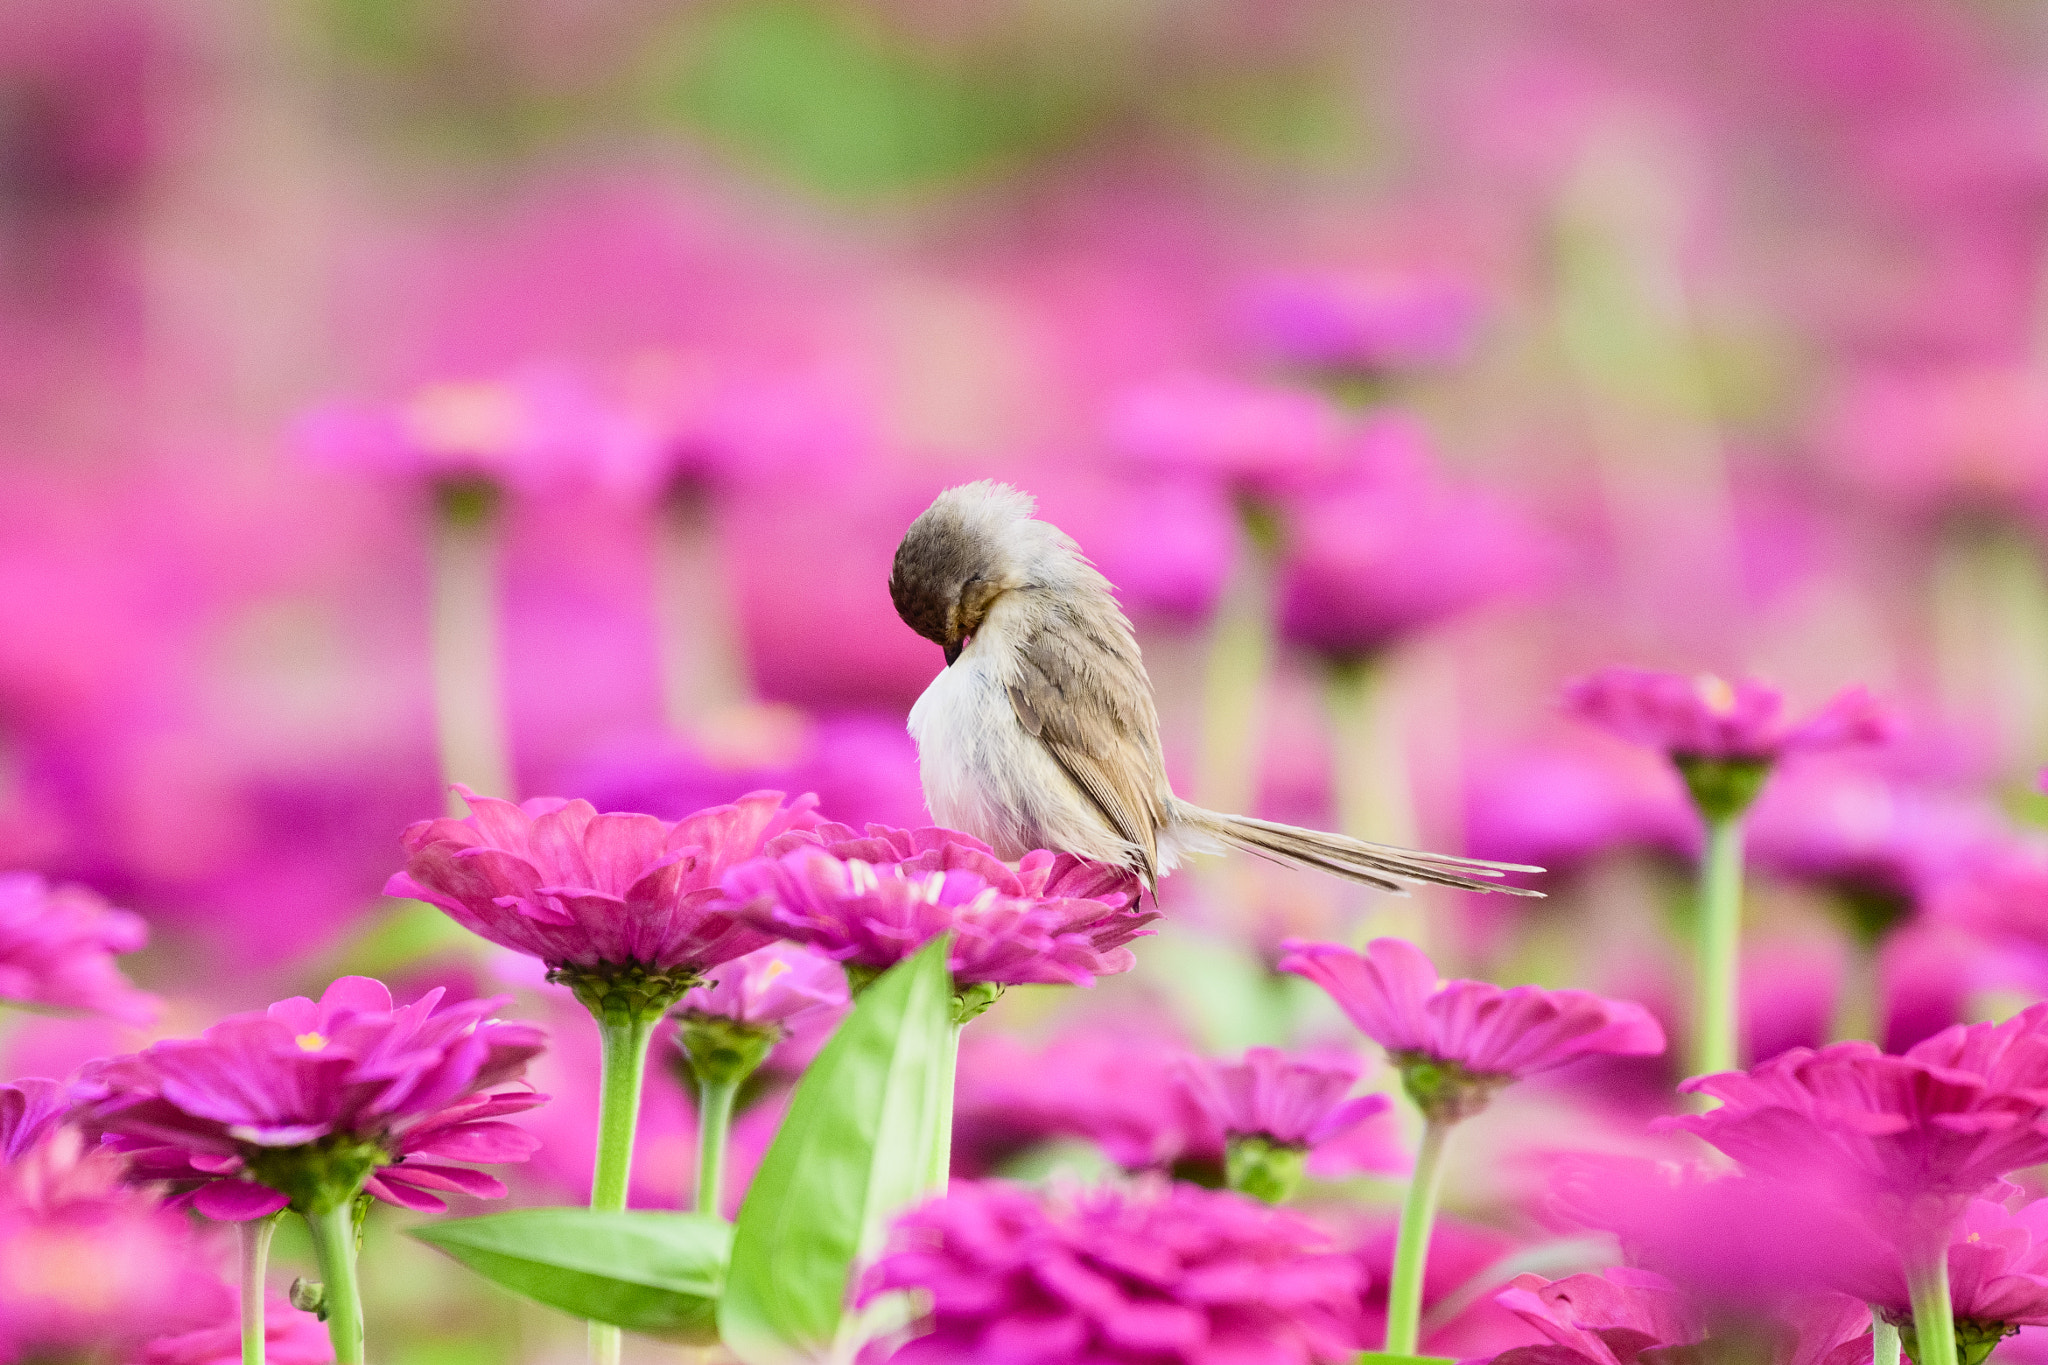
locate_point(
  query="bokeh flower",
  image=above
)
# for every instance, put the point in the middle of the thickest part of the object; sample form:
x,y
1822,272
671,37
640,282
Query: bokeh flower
x,y
1141,1272
625,909
290,1337
1274,1108
1611,1318
1456,1042
1917,1135
29,1109
1720,734
1997,1277
90,1268
1116,1083
1364,323
57,948
1389,548
1257,441
305,1103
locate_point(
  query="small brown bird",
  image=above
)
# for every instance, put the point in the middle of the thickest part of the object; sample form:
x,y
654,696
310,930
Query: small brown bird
x,y
1042,733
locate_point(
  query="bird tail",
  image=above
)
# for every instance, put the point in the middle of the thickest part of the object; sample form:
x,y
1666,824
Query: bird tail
x,y
1352,859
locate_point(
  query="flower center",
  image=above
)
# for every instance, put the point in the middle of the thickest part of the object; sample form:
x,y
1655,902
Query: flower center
x,y
311,1042
1715,694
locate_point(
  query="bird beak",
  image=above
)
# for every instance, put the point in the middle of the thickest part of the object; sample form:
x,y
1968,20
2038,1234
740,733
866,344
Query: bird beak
x,y
953,651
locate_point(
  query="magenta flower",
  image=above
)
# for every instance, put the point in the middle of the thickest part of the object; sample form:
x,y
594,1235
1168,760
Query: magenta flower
x,y
1997,1274
781,986
290,1337
625,908
1116,1084
29,1110
1290,1101
1925,1132
1273,1109
57,947
1148,1272
1256,440
1607,1319
538,427
1705,717
90,1269
871,900
304,1102
1366,323
1458,1041
789,995
1389,550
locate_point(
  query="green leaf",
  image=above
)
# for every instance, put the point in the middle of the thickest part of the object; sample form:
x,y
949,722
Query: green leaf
x,y
659,1273
852,1153
1391,1358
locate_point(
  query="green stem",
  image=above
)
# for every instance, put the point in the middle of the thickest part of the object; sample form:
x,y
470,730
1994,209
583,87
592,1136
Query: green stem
x,y
1934,1320
624,1063
714,1131
256,1236
1717,983
1234,683
469,716
334,1246
1884,1340
942,1130
703,666
1856,1012
1411,1249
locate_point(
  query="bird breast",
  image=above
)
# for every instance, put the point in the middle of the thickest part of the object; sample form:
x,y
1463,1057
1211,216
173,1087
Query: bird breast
x,y
985,775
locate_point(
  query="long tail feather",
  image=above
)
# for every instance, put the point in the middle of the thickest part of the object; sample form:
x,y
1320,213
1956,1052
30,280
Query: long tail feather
x,y
1353,859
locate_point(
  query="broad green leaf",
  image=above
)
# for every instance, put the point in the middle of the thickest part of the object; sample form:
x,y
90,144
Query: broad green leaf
x,y
852,1153
659,1273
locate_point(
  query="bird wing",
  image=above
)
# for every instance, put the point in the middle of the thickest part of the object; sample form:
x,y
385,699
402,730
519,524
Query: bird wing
x,y
1083,693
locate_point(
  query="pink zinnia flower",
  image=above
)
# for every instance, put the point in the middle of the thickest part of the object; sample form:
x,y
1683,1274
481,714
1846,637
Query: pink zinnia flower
x,y
90,1269
787,993
1607,1319
1997,1275
1458,1041
872,900
625,908
1365,322
780,986
538,427
1141,1273
1291,1101
57,947
1257,440
394,1096
290,1337
1273,1109
1389,549
1705,717
1925,1132
1115,1083
29,1109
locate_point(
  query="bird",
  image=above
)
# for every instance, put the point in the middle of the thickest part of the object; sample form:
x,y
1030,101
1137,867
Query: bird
x,y
1041,731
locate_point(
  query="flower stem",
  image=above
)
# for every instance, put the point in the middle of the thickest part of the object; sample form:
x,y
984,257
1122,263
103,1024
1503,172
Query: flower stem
x,y
625,1039
942,1130
469,716
334,1245
703,665
1234,682
1934,1320
256,1235
1717,984
1884,1340
714,1131
1411,1248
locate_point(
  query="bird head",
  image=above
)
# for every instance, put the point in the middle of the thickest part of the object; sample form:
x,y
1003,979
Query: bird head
x,y
972,545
